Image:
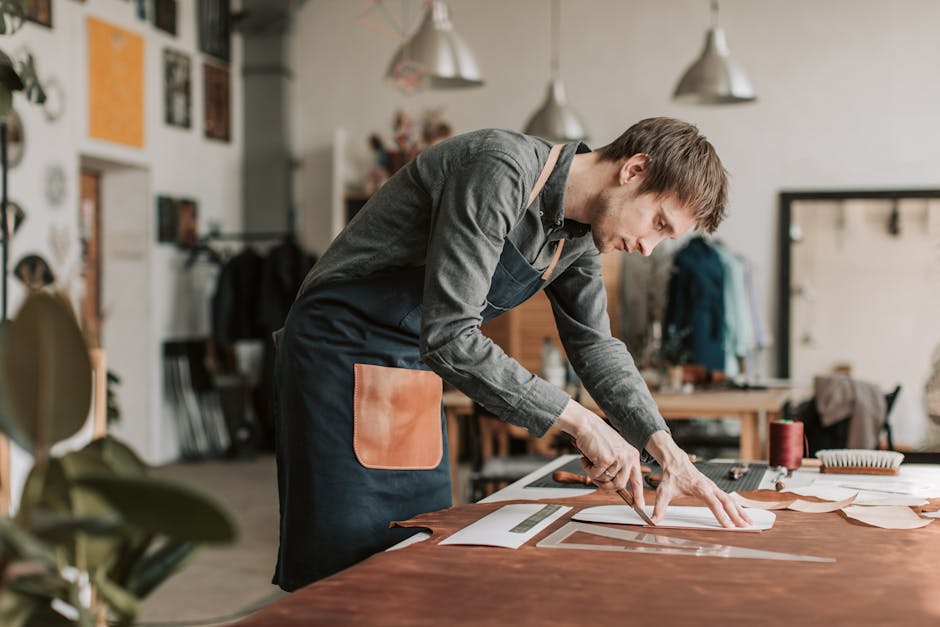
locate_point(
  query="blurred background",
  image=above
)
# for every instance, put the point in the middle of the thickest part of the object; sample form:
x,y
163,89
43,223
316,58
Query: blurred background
x,y
193,158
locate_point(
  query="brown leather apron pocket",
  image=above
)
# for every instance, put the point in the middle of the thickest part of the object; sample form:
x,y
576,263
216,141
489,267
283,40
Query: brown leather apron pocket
x,y
397,418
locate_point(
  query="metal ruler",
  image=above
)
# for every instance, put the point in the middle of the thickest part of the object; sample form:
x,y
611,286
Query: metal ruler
x,y
535,519
662,545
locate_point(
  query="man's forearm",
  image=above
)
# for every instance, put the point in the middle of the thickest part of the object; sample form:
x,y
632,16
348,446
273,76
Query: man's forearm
x,y
661,446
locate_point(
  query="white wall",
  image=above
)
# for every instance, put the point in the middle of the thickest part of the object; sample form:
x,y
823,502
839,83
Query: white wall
x,y
846,92
178,162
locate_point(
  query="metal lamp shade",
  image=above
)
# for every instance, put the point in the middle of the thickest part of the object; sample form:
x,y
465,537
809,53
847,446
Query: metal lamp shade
x,y
555,119
435,54
714,78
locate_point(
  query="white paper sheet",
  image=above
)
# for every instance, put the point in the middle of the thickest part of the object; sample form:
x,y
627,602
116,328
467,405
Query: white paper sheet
x,y
887,517
677,517
494,529
931,514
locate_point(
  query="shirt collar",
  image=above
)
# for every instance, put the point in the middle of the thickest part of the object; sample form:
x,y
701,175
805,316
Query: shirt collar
x,y
553,194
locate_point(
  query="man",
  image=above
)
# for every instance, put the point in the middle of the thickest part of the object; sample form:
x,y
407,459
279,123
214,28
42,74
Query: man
x,y
469,229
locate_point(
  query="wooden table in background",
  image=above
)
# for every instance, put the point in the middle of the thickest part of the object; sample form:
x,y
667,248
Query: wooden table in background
x,y
745,406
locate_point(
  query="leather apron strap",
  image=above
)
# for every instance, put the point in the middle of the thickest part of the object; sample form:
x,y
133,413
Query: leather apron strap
x,y
539,184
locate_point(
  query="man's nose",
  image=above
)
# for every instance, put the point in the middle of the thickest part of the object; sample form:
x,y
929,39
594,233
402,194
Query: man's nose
x,y
647,244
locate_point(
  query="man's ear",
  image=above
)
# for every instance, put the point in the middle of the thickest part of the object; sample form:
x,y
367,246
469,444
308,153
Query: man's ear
x,y
632,167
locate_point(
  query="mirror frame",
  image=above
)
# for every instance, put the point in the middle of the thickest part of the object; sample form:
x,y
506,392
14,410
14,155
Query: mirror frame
x,y
786,200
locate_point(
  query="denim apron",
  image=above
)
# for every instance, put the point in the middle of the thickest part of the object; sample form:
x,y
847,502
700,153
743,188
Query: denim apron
x,y
334,510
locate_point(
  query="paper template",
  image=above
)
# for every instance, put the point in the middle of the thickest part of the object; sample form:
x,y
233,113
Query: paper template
x,y
798,505
832,492
889,517
510,526
677,517
931,514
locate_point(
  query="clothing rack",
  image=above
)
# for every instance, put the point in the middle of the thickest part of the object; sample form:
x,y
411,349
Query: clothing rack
x,y
203,245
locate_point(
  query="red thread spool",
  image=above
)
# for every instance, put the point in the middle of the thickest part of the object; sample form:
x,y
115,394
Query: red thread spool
x,y
786,444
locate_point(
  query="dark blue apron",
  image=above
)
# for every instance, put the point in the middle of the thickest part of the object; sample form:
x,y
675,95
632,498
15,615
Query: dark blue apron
x,y
335,511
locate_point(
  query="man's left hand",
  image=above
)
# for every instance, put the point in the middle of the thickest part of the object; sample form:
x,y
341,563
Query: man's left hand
x,y
682,478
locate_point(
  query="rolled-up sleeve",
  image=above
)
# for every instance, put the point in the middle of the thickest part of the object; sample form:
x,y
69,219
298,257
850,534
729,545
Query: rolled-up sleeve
x,y
478,204
579,304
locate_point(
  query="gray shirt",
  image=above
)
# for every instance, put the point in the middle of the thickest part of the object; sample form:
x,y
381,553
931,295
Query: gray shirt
x,y
450,210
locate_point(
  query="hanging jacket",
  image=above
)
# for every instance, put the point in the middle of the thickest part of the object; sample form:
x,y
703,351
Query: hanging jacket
x,y
236,301
694,323
284,270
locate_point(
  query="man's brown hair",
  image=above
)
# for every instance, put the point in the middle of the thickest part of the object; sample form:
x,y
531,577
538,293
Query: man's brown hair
x,y
680,161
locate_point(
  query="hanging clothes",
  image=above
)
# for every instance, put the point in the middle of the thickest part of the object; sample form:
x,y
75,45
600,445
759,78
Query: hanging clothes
x,y
694,325
235,305
739,331
643,289
284,270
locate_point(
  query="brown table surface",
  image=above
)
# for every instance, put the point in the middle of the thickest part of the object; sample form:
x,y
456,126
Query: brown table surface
x,y
881,577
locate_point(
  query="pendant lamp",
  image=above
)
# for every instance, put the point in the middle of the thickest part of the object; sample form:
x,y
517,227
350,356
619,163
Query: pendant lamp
x,y
555,119
435,56
714,78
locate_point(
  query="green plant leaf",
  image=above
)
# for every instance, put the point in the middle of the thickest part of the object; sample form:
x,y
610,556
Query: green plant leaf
x,y
45,616
44,586
46,489
97,551
47,365
9,77
155,569
165,507
30,79
6,101
129,556
7,424
125,604
23,545
62,528
118,456
12,16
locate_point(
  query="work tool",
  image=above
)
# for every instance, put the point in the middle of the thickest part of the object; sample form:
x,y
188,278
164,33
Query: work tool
x,y
663,545
562,476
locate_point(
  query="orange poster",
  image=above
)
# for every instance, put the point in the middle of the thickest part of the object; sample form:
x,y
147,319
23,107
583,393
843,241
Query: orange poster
x,y
115,84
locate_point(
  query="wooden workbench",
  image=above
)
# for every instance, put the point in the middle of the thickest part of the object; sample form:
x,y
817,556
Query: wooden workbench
x,y
880,577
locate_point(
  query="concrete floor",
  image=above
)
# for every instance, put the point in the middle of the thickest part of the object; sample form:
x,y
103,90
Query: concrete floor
x,y
219,583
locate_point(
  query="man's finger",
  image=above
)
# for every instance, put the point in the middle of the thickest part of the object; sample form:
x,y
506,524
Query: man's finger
x,y
636,482
737,514
663,496
718,510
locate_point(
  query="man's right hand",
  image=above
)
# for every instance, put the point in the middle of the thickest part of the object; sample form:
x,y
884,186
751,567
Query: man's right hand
x,y
610,461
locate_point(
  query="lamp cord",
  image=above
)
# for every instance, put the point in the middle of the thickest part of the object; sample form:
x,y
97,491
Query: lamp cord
x,y
556,34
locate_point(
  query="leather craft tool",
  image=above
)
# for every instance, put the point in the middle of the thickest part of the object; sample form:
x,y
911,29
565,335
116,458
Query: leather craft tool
x,y
664,545
738,470
569,477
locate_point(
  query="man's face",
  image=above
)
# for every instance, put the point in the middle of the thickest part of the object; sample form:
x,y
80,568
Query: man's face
x,y
627,221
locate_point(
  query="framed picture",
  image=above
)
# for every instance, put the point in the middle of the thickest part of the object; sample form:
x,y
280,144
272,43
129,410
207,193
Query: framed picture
x,y
177,89
164,15
217,88
40,12
215,34
115,84
187,215
166,220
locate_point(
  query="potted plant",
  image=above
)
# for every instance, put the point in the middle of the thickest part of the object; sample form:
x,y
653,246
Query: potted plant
x,y
94,533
